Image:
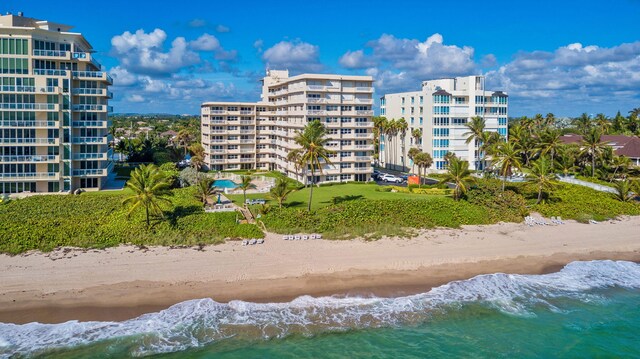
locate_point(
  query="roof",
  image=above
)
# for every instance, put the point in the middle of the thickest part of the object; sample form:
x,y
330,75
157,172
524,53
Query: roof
x,y
500,94
442,92
628,146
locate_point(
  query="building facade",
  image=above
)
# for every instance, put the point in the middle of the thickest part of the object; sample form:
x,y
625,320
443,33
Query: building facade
x,y
260,135
53,109
441,110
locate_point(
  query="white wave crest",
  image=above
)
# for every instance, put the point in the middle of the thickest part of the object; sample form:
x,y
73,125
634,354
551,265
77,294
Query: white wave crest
x,y
198,322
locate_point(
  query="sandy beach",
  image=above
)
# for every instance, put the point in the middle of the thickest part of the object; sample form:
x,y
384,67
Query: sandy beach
x,y
124,282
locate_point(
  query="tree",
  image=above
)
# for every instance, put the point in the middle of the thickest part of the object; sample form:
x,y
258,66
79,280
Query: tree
x,y
623,191
583,123
603,123
458,173
401,128
295,156
423,160
593,146
566,159
150,188
416,133
280,191
541,175
184,139
390,132
549,142
205,190
197,158
413,151
378,131
476,128
246,183
312,141
508,157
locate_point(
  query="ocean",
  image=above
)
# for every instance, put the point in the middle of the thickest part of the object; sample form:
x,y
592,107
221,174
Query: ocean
x,y
587,309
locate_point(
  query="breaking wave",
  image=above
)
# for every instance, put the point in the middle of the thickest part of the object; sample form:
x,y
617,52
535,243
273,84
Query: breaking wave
x,y
195,323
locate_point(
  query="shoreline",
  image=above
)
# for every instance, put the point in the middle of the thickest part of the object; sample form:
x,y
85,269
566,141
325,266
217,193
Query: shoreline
x,y
124,282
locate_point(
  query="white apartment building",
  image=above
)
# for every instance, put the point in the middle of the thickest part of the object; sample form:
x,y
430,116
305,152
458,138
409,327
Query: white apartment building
x,y
260,135
53,109
441,110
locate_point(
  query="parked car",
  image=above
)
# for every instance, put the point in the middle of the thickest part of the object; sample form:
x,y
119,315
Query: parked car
x,y
376,174
390,178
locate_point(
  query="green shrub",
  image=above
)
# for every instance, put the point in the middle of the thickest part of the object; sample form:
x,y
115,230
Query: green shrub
x,y
506,206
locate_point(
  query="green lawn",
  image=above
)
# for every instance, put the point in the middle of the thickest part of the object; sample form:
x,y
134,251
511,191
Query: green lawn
x,y
327,195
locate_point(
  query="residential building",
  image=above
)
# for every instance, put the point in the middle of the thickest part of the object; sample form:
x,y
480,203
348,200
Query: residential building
x,y
441,109
628,146
260,135
53,109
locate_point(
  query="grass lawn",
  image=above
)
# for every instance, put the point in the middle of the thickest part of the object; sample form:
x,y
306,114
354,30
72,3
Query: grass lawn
x,y
327,195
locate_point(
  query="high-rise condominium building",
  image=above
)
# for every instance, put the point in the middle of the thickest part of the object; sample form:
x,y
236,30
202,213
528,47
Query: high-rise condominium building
x,y
53,109
247,135
441,110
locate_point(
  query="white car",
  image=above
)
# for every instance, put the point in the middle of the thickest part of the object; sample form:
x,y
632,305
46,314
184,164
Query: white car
x,y
390,178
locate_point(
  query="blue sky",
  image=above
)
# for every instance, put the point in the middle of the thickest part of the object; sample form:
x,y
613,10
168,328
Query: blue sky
x,y
565,57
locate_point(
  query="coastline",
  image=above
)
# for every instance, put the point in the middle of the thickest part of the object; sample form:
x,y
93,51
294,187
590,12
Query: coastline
x,y
123,282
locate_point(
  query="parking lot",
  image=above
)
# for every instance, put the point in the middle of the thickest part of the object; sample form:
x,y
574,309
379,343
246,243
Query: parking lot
x,y
379,177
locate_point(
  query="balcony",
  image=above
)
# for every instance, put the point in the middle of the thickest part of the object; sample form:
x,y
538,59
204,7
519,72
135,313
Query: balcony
x,y
363,169
363,135
50,72
30,89
86,124
30,176
363,158
316,100
92,108
93,75
91,156
90,140
316,112
30,158
91,91
34,141
246,112
364,124
93,172
316,88
247,160
217,160
364,113
246,122
34,124
30,106
51,53
85,56
218,111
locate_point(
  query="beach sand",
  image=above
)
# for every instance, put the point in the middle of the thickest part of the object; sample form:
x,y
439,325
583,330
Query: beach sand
x,y
126,281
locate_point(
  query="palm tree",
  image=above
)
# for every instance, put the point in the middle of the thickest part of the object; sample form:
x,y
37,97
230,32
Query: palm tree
x,y
476,128
458,173
205,190
280,191
508,157
583,123
197,158
246,182
593,146
417,136
184,139
623,191
313,140
566,160
603,123
378,131
413,151
541,175
295,156
390,132
423,160
401,128
549,142
150,187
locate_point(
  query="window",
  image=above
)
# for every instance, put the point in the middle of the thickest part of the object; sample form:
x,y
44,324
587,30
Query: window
x,y
403,100
402,110
441,110
441,165
440,143
421,100
441,121
502,132
439,153
441,98
480,99
502,121
413,100
458,121
440,132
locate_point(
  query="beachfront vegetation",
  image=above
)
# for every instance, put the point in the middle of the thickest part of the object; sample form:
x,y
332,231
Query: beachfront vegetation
x,y
150,188
246,183
312,140
99,220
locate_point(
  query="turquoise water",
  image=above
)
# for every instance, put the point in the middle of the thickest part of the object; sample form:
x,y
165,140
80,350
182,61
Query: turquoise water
x,y
225,184
588,309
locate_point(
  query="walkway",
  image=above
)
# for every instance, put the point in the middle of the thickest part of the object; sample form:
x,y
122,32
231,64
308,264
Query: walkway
x,y
597,187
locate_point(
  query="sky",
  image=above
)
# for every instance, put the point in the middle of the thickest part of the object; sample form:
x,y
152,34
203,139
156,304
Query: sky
x,y
564,57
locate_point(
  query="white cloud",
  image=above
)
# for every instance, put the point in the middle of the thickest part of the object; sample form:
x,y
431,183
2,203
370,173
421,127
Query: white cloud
x,y
221,28
400,64
135,98
197,23
122,77
205,42
296,56
258,44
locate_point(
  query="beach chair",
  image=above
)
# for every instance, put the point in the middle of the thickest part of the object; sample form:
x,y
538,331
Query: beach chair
x,y
285,237
305,237
260,241
253,241
313,236
245,242
297,238
319,236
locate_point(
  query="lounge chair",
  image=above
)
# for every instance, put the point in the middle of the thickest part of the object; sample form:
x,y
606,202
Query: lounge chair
x,y
260,241
305,237
245,242
313,236
297,238
285,237
253,241
319,236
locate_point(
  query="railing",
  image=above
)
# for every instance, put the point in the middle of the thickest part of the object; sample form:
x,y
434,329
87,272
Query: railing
x,y
89,123
246,141
90,172
215,140
50,72
29,106
281,112
91,156
48,141
32,175
87,107
315,100
50,53
93,74
89,91
363,134
30,158
80,140
364,124
316,112
246,122
363,158
84,56
245,112
362,169
364,89
247,131
218,111
29,124
315,87
364,112
247,160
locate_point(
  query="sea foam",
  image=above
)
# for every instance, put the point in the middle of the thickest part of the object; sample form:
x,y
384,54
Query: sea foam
x,y
199,322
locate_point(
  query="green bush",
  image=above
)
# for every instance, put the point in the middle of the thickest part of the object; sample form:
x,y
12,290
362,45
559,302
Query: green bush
x,y
506,206
425,190
99,220
376,217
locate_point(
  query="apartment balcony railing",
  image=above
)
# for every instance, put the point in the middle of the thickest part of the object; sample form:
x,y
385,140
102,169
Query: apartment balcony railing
x,y
316,112
218,151
85,56
246,112
316,100
364,124
218,131
246,141
36,124
315,87
90,91
30,106
247,131
50,53
365,89
90,140
364,101
281,113
247,160
363,158
30,158
50,72
92,108
91,156
93,75
217,160
218,140
363,147
363,135
362,169
91,172
218,111
30,89
217,121
97,124
246,122
30,176
364,112
35,141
